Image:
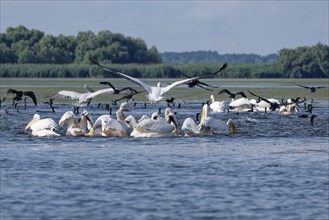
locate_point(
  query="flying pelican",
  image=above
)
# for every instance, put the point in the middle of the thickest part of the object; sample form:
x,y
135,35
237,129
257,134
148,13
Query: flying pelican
x,y
216,106
154,92
109,127
83,99
42,127
207,125
149,127
312,88
19,96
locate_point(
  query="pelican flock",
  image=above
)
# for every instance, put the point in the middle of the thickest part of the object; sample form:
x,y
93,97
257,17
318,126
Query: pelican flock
x,y
214,119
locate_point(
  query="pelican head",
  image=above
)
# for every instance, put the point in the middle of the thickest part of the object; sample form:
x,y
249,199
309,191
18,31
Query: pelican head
x,y
158,84
36,117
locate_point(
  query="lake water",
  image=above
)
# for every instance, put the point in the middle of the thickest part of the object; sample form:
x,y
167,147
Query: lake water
x,y
275,167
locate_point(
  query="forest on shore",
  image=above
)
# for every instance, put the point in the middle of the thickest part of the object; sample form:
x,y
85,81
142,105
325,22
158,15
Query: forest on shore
x,y
31,53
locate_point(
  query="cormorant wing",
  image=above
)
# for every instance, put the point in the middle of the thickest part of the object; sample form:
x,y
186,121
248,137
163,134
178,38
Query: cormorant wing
x,y
225,91
31,95
302,86
266,100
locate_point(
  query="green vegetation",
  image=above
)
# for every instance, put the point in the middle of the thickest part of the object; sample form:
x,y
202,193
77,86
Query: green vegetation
x,y
31,53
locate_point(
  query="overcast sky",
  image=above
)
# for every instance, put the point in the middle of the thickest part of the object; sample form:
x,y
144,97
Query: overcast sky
x,y
260,27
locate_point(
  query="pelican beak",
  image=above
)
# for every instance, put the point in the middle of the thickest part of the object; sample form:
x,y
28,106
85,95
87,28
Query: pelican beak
x,y
30,124
91,132
232,127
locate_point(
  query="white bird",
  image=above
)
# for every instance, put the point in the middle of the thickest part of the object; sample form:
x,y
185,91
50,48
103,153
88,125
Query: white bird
x,y
216,106
154,92
109,127
76,126
207,125
154,128
42,127
83,99
240,105
289,108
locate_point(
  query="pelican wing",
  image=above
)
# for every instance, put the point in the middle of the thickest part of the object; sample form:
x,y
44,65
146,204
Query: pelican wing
x,y
101,92
189,126
44,124
67,95
215,125
177,83
239,102
132,79
154,126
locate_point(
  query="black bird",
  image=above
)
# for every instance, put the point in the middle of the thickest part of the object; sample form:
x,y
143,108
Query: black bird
x,y
232,95
19,96
170,101
128,97
312,88
203,85
306,116
124,91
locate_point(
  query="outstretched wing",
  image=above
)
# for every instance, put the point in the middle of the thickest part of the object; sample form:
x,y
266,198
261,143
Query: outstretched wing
x,y
224,91
302,86
242,94
10,91
177,83
31,95
101,92
213,74
109,84
67,95
266,100
132,79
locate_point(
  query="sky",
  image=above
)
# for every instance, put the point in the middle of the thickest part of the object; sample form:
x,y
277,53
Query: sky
x,y
259,27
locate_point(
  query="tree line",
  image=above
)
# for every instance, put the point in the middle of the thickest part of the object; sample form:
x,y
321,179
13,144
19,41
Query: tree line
x,y
31,53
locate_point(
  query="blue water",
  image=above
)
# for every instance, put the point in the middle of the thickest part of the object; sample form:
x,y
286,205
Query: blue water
x,y
275,167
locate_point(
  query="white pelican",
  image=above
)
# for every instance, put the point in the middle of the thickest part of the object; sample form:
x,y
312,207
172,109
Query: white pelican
x,y
154,128
240,105
83,99
216,106
42,127
288,108
154,92
207,126
77,126
109,126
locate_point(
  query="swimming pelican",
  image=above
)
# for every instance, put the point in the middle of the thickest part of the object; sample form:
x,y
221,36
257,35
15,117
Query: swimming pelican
x,y
83,99
265,104
312,88
154,92
289,108
207,125
154,128
241,105
109,127
19,96
73,129
42,127
216,106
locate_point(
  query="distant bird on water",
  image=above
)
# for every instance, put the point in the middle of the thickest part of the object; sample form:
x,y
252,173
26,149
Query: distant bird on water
x,y
154,92
19,96
312,88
